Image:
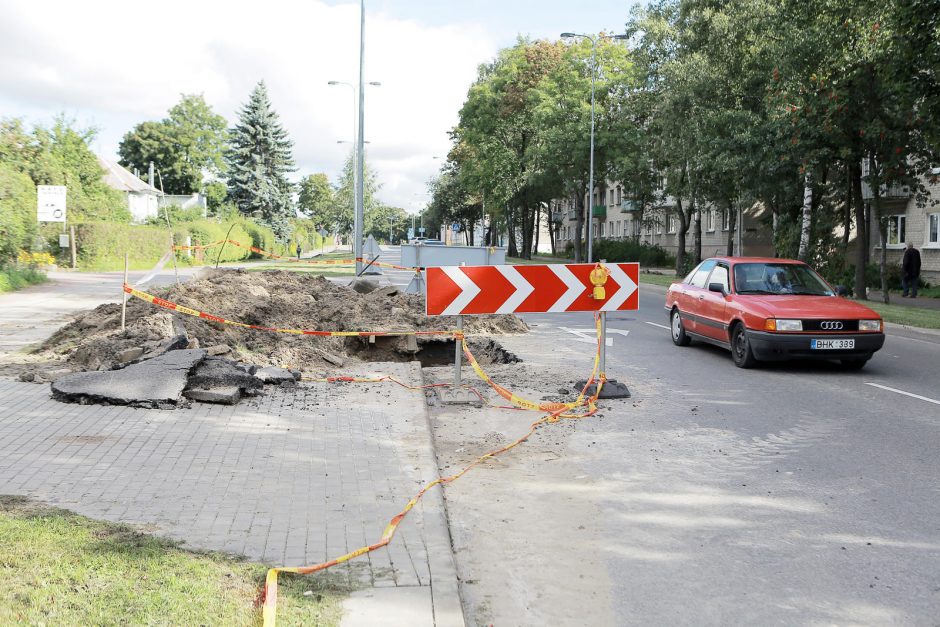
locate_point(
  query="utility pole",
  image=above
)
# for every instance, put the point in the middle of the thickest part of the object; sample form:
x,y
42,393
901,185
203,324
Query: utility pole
x,y
360,152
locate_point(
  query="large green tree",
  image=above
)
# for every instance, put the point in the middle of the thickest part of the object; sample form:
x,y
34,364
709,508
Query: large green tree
x,y
316,199
259,160
185,147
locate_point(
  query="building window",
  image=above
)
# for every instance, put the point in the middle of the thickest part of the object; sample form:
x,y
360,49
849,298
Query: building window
x,y
672,223
725,219
595,200
659,226
619,195
933,229
897,232
709,221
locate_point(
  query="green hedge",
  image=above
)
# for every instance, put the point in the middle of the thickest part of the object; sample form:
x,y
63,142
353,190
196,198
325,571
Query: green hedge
x,y
14,278
17,212
629,250
101,245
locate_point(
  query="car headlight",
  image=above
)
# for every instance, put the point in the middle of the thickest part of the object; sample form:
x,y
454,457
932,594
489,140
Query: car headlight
x,y
789,325
869,325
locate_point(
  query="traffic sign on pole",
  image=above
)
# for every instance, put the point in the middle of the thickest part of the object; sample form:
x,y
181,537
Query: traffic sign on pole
x,y
556,288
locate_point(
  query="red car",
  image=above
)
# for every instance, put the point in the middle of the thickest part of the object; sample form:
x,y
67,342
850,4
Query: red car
x,y
766,309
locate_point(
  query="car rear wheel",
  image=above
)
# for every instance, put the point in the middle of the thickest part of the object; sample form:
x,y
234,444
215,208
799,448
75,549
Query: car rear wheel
x,y
679,338
741,351
854,364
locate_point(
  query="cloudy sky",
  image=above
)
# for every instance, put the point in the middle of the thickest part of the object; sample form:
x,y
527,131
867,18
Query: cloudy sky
x,y
112,64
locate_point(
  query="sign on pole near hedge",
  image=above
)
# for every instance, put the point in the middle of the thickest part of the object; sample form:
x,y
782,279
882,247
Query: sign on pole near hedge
x,y
50,203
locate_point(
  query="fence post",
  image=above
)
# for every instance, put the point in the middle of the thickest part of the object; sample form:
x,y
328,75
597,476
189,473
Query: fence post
x,y
124,296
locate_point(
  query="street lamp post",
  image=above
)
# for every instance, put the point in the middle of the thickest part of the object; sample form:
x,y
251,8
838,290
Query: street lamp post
x,y
359,154
590,224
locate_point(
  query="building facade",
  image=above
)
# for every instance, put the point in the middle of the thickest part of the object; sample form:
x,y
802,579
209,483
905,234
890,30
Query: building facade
x,y
908,222
615,216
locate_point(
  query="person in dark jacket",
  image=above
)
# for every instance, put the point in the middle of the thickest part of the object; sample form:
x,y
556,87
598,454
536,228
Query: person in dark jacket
x,y
910,271
298,251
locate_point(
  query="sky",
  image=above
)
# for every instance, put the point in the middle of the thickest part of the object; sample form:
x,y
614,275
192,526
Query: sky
x,y
112,64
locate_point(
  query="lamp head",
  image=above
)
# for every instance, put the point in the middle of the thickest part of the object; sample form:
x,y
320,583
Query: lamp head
x,y
333,83
567,35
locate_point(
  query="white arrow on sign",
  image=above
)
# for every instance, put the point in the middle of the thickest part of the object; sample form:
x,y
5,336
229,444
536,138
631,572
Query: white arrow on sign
x,y
627,287
523,289
468,293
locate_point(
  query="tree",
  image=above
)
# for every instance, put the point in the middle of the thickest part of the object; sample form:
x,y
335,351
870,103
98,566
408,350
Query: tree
x,y
185,147
259,158
343,207
316,199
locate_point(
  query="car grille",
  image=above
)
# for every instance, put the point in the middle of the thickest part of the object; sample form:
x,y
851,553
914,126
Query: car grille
x,y
831,326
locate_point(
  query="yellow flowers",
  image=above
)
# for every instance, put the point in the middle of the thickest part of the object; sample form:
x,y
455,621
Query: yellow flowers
x,y
35,259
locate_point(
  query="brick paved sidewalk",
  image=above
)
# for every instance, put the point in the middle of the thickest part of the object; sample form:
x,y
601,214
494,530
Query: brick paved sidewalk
x,y
291,478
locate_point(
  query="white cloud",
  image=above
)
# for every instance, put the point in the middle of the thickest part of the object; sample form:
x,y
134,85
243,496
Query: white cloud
x,y
115,64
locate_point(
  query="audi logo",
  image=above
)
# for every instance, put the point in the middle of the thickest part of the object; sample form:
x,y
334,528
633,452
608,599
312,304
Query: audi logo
x,y
831,325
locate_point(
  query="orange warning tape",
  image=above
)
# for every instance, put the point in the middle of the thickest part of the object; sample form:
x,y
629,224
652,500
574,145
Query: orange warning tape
x,y
555,411
311,262
166,304
269,606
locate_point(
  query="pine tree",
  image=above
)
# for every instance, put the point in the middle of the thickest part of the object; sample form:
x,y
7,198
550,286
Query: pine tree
x,y
259,159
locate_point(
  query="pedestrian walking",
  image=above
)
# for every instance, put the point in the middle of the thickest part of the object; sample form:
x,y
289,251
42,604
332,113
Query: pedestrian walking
x,y
910,271
298,251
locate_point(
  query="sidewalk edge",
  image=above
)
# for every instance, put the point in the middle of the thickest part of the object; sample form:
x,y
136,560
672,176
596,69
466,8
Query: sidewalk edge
x,y
445,590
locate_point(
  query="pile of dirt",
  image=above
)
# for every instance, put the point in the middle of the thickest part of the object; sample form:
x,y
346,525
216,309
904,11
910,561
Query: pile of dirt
x,y
289,300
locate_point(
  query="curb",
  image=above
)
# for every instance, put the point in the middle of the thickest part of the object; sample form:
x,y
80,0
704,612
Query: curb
x,y
445,590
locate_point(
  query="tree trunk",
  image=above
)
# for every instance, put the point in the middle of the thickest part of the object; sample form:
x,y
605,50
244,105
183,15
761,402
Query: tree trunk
x,y
861,232
847,211
697,241
538,227
680,238
882,231
511,227
732,222
775,222
579,226
552,232
807,221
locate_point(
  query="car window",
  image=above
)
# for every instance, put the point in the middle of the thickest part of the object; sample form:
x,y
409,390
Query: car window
x,y
719,275
701,273
779,278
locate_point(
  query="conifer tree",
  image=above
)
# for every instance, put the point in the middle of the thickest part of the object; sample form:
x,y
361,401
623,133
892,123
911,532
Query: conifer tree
x,y
259,159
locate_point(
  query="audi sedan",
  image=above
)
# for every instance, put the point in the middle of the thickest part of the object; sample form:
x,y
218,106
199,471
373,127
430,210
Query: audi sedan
x,y
766,309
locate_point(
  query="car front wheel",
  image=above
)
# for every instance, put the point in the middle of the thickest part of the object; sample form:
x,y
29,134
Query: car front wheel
x,y
679,338
741,351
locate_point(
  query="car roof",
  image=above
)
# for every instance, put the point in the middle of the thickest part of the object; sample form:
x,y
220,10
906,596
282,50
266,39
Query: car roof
x,y
733,260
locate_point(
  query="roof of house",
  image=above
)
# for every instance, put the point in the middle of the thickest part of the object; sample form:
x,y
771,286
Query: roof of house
x,y
120,178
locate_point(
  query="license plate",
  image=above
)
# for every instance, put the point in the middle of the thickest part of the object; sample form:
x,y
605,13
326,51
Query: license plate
x,y
832,344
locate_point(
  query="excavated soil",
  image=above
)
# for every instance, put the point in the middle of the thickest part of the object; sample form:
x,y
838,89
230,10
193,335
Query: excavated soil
x,y
94,341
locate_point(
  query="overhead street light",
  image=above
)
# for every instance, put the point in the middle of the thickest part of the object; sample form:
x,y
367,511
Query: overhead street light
x,y
593,40
358,162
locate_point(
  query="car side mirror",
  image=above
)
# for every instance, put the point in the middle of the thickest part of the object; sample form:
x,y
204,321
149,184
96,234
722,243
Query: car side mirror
x,y
842,290
717,287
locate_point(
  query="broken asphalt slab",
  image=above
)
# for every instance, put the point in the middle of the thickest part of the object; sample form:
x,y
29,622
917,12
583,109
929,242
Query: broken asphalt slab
x,y
156,383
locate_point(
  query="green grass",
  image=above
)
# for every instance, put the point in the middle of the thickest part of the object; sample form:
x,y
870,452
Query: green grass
x,y
13,278
658,279
903,314
59,568
537,260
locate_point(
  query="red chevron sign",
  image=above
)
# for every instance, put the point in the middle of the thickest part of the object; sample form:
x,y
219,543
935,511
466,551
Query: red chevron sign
x,y
463,290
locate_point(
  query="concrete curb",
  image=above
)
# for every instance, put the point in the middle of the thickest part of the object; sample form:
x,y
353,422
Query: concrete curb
x,y
445,591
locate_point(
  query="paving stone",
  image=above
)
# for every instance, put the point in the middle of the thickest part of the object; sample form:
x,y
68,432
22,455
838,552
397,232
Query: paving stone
x,y
228,395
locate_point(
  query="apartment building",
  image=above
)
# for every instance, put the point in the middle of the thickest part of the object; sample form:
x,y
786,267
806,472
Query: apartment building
x,y
908,222
615,216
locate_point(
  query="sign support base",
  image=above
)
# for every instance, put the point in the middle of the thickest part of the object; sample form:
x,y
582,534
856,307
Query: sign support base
x,y
610,389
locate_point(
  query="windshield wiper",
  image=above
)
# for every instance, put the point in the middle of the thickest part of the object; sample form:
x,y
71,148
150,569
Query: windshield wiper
x,y
755,292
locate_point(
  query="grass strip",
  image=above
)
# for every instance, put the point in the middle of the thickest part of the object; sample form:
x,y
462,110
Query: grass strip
x,y
13,278
60,568
905,314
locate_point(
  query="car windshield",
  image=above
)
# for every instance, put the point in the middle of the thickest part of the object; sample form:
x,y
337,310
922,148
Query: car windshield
x,y
778,278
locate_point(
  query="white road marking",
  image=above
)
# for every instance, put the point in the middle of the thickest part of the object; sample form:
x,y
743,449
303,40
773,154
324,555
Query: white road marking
x,y
593,331
656,324
580,336
896,391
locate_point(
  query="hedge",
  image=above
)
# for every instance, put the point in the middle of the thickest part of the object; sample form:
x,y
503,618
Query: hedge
x,y
649,256
101,245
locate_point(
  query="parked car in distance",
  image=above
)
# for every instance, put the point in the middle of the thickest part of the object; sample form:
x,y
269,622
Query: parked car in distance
x,y
433,242
766,309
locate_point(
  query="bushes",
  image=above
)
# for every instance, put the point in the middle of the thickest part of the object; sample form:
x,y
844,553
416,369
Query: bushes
x,y
17,212
650,256
14,278
101,245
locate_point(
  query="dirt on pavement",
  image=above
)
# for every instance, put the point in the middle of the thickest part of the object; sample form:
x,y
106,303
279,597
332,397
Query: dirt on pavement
x,y
281,299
